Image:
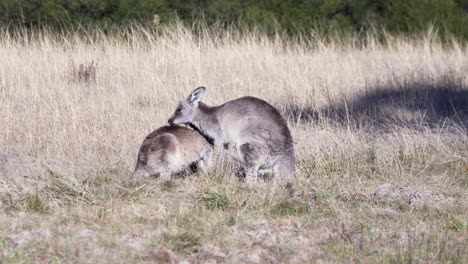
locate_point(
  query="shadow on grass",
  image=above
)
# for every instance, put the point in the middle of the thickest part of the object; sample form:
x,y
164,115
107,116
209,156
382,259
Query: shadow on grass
x,y
418,103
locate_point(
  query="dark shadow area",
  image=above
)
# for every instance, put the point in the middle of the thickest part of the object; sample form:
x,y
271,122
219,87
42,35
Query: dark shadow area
x,y
423,103
188,172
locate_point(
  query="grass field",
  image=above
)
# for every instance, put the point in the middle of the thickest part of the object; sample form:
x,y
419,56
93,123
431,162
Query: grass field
x,y
380,133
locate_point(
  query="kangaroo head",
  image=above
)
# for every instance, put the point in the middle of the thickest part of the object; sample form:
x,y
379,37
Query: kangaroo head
x,y
186,108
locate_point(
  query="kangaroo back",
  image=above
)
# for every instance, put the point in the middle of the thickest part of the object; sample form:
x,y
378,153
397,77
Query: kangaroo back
x,y
170,150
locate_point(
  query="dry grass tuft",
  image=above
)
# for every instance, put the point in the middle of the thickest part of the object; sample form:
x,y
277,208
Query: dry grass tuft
x,y
85,73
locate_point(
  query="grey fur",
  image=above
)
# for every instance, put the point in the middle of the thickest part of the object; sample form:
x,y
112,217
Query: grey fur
x,y
172,149
255,128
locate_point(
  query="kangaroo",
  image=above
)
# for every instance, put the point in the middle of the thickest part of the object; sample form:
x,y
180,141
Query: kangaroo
x,y
172,149
255,128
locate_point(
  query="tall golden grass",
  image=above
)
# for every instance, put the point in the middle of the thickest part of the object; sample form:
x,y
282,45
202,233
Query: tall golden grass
x,y
50,108
362,113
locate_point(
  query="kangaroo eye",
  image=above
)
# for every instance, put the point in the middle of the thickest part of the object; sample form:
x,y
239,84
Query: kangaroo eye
x,y
179,110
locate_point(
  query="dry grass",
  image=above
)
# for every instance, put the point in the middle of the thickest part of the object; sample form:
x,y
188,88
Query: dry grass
x,y
75,110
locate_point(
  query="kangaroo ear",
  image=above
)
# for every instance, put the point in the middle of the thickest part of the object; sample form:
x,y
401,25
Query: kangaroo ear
x,y
196,96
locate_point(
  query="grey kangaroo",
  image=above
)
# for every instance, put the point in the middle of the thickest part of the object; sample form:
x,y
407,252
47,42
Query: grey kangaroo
x,y
172,149
255,128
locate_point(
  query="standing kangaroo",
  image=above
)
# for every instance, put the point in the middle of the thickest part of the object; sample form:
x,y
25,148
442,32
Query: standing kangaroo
x,y
255,128
171,149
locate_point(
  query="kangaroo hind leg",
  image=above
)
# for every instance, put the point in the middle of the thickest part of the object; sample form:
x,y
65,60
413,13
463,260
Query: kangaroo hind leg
x,y
249,156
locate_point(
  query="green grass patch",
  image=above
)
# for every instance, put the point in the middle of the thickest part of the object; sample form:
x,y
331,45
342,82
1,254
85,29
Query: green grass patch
x,y
322,195
33,203
458,225
290,208
213,200
439,248
184,242
28,203
65,190
460,172
168,186
102,180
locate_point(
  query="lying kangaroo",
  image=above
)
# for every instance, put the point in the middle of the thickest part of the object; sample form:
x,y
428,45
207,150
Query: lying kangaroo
x,y
172,149
256,129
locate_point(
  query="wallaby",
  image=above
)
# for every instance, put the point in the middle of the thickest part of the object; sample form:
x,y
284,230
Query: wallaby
x,y
255,128
172,149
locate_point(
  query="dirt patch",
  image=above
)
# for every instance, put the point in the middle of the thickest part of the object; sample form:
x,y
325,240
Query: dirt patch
x,y
25,174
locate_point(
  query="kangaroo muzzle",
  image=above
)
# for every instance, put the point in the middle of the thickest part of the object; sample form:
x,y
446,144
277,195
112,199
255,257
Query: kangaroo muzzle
x,y
171,121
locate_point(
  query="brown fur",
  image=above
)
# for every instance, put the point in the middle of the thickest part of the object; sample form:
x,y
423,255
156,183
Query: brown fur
x,y
170,150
